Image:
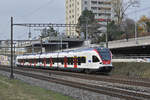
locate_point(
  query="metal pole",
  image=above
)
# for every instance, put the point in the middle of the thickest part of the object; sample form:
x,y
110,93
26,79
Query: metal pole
x,y
61,42
107,35
106,31
32,48
41,44
14,52
11,75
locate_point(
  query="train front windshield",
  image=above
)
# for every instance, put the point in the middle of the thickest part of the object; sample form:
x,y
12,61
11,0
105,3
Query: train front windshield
x,y
104,53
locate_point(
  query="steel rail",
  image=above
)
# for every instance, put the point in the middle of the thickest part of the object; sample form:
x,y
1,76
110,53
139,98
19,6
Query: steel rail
x,y
133,82
128,81
98,89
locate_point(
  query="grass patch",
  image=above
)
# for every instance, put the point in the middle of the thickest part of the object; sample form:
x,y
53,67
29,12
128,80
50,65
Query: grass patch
x,y
17,90
132,69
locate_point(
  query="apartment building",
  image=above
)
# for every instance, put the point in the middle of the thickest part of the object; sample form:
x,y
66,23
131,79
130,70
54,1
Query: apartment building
x,y
101,8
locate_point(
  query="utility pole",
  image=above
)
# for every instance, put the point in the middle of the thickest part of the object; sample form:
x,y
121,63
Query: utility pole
x,y
61,43
106,30
41,44
11,75
14,52
107,35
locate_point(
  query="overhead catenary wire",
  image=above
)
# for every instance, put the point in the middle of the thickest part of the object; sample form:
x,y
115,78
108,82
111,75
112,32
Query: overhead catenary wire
x,y
37,9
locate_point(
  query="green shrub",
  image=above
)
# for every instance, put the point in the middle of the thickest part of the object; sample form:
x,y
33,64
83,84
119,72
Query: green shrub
x,y
135,69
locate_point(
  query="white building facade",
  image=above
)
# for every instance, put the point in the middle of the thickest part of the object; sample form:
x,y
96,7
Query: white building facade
x,y
101,8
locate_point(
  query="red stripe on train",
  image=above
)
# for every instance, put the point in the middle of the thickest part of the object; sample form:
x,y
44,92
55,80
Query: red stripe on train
x,y
44,62
65,62
34,62
51,62
106,61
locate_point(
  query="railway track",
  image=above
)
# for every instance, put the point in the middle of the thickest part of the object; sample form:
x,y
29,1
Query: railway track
x,y
112,79
115,92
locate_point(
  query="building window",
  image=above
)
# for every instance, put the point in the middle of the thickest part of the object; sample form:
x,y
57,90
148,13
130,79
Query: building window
x,y
95,14
94,8
94,2
85,2
85,8
78,3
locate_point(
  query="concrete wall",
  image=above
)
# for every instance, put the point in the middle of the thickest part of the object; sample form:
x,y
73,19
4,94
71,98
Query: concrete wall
x,y
142,41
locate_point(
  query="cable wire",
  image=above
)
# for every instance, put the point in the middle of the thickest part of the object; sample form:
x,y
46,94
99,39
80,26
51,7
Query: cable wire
x,y
39,8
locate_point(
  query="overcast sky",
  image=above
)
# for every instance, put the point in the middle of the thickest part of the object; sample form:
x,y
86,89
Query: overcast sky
x,y
41,11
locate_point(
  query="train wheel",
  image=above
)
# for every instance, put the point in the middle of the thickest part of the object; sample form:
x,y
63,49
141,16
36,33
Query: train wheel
x,y
88,71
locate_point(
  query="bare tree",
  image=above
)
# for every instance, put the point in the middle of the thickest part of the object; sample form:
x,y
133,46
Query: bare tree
x,y
120,7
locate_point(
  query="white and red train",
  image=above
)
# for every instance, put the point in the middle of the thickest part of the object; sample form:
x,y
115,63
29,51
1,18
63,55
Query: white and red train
x,y
88,60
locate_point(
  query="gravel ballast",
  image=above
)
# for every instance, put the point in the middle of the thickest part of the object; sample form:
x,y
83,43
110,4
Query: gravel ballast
x,y
76,93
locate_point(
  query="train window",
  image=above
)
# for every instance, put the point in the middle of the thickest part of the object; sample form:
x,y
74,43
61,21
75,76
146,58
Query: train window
x,y
61,60
47,60
83,60
40,60
55,60
69,61
36,60
32,60
19,60
79,60
95,59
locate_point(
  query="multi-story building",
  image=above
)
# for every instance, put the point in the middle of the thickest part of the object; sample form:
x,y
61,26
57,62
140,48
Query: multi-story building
x,y
101,8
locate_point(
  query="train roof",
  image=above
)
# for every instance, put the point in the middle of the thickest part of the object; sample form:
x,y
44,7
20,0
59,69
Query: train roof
x,y
86,49
73,51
